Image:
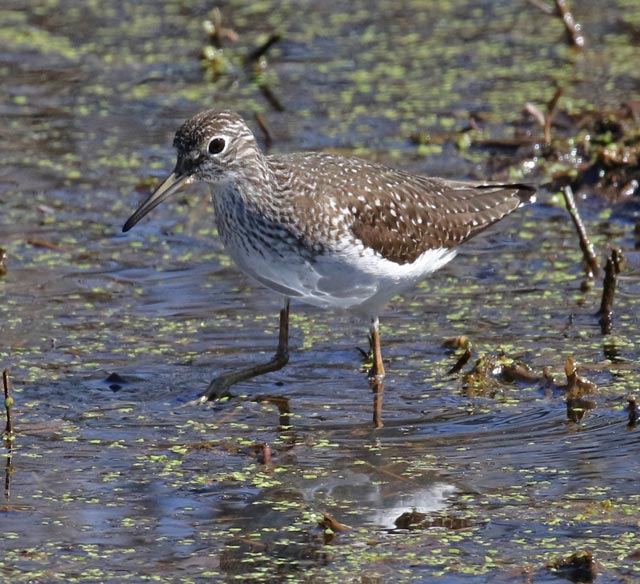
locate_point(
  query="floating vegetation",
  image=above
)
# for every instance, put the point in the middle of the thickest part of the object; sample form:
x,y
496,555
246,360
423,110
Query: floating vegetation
x,y
112,479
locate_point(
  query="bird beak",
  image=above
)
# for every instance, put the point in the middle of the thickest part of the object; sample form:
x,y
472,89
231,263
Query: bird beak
x,y
173,183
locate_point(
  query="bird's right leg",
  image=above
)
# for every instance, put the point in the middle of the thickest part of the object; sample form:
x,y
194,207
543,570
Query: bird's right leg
x,y
219,386
377,369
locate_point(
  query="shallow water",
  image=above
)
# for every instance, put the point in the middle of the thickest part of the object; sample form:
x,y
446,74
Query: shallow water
x,y
116,480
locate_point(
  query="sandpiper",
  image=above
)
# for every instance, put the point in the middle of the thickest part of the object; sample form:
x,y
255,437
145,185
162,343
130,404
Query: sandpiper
x,y
328,230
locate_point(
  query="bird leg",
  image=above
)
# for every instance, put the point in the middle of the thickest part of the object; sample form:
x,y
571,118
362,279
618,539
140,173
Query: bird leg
x,y
377,369
219,386
376,373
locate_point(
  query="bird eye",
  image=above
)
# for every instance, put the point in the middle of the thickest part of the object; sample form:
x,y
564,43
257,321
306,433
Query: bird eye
x,y
216,146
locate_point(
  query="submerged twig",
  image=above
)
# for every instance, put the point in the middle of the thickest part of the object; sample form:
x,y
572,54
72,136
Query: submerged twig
x,y
8,435
611,271
632,409
578,567
35,242
461,362
262,452
331,525
577,392
3,261
590,259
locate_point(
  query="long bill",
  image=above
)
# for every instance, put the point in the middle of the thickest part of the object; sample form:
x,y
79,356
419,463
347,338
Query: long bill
x,y
173,183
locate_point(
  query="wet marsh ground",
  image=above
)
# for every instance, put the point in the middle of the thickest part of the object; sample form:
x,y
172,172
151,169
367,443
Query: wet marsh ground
x,y
106,336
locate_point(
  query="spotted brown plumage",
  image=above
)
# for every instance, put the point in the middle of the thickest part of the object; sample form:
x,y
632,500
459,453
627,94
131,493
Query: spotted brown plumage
x,y
330,230
398,215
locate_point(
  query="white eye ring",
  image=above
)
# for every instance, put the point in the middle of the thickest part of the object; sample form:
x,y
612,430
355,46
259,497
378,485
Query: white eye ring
x,y
216,146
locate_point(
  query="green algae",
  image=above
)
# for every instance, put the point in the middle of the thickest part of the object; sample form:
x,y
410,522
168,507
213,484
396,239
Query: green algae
x,y
89,460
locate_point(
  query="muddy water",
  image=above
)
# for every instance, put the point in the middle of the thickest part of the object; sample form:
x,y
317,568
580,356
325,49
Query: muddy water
x,y
113,479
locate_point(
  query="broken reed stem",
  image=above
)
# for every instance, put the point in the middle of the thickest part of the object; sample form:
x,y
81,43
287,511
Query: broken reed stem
x,y
573,28
263,48
254,58
611,271
461,362
632,410
8,404
271,97
590,259
216,31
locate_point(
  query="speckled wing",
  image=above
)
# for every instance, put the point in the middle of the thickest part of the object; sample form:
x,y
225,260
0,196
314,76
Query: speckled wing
x,y
394,213
417,214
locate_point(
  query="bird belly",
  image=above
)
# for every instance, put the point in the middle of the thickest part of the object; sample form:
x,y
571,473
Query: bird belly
x,y
354,278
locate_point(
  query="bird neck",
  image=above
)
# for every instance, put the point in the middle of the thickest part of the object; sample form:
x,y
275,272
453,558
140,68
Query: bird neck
x,y
251,190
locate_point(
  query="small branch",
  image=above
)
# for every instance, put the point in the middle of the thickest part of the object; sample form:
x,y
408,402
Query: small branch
x,y
632,410
262,452
263,48
271,97
216,31
8,470
573,28
259,69
611,271
3,261
590,259
35,242
8,435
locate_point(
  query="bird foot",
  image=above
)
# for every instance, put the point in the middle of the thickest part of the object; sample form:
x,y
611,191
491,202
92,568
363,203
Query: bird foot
x,y
217,389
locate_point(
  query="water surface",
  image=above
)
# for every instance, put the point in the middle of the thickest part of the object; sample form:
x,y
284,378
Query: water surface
x,y
115,480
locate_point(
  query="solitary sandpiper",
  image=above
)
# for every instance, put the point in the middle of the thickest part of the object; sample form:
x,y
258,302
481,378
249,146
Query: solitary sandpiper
x,y
328,230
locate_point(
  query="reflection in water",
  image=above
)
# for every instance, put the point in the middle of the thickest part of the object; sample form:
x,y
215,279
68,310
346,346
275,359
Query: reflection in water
x,y
382,503
359,498
377,387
